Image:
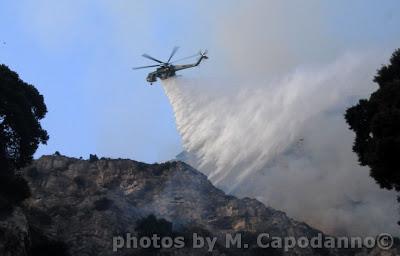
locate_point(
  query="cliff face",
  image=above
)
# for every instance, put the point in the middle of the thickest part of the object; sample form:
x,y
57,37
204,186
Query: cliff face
x,y
87,203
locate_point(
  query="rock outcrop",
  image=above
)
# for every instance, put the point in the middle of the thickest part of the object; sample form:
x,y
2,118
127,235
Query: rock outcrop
x,y
86,204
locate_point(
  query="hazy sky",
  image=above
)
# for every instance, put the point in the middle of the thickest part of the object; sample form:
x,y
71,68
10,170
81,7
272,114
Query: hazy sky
x,y
79,55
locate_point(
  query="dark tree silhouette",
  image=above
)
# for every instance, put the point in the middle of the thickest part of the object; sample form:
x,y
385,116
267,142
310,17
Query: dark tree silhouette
x,y
151,225
21,109
376,122
93,158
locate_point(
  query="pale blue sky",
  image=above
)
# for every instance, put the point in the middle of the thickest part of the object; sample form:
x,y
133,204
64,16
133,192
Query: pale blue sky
x,y
79,55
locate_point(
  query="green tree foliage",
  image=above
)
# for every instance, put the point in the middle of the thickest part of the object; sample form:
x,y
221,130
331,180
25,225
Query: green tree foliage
x,y
21,109
376,123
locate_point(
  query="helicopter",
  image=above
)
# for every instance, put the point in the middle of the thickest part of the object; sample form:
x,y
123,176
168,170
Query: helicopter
x,y
167,69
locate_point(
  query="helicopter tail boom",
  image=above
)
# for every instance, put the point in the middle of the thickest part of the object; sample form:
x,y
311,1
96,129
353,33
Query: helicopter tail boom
x,y
203,55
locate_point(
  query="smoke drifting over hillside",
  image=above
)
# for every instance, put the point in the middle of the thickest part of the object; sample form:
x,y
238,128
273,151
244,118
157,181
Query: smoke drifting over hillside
x,y
286,143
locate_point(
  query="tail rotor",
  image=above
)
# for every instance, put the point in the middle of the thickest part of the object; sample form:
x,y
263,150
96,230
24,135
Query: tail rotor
x,y
203,54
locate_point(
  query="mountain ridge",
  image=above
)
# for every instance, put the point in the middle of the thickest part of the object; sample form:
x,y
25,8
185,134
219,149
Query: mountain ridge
x,y
86,203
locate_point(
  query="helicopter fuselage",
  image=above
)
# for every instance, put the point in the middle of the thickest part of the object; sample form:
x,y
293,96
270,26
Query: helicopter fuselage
x,y
163,73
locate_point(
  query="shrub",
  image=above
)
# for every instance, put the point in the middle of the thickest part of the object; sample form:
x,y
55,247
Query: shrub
x,y
93,158
103,204
151,225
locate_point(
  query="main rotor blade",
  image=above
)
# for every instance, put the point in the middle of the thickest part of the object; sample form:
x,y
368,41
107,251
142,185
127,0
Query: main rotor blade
x,y
188,57
173,53
147,66
149,57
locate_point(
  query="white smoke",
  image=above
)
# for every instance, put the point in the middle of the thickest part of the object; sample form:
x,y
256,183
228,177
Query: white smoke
x,y
286,143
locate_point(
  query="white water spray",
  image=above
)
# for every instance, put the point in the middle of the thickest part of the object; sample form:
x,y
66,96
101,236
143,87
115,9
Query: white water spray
x,y
286,143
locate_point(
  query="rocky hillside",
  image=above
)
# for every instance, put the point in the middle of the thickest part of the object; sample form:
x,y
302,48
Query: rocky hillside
x,y
84,205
